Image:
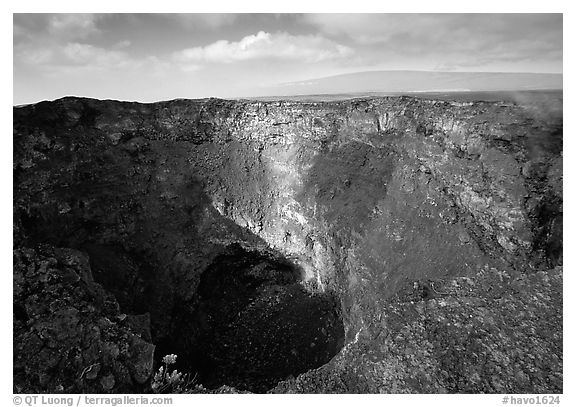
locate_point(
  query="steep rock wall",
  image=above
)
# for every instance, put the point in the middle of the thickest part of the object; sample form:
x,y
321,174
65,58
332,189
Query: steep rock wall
x,y
364,197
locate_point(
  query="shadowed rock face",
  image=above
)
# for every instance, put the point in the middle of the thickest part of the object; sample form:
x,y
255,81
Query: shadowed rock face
x,y
436,226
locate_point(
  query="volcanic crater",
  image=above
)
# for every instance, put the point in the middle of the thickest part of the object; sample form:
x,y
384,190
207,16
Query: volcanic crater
x,y
375,245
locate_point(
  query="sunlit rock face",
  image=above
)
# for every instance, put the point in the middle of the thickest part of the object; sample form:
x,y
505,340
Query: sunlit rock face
x,y
415,217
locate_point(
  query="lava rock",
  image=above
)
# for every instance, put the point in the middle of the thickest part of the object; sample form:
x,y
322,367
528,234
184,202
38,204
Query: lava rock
x,y
121,208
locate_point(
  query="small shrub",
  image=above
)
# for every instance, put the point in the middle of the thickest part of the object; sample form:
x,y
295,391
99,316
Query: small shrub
x,y
166,381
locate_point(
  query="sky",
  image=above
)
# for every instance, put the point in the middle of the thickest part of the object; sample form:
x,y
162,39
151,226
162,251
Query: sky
x,y
151,57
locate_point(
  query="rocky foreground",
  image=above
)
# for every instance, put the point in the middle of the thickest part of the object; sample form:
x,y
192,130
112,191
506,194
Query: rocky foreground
x,y
375,245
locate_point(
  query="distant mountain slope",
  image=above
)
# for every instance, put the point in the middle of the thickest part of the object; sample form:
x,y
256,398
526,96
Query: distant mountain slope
x,y
419,81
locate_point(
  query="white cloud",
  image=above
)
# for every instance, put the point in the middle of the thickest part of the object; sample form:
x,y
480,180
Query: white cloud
x,y
70,54
74,55
456,40
307,48
86,54
440,30
395,29
73,26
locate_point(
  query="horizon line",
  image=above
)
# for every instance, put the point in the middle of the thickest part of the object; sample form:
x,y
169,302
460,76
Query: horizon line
x,y
374,94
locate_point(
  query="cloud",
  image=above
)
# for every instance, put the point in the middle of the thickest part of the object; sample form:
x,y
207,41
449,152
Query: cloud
x,y
80,58
70,54
73,26
306,48
445,28
48,29
51,41
452,39
86,54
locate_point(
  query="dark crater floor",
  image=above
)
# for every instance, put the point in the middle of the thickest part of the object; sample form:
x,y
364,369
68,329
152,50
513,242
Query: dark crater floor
x,y
253,323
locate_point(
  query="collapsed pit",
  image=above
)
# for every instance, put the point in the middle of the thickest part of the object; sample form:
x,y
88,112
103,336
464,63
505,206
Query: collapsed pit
x,y
251,323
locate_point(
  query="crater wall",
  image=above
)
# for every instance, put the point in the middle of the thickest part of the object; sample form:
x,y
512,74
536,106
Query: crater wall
x,y
365,198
